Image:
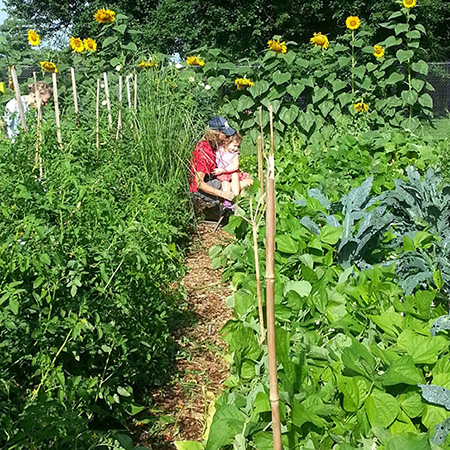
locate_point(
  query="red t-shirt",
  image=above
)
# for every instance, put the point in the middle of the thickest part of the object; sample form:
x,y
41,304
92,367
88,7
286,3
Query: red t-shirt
x,y
203,160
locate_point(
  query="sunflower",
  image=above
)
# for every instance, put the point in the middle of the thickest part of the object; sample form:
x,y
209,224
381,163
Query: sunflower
x,y
105,16
361,107
409,3
49,66
90,45
320,40
378,51
353,23
33,38
243,83
195,61
277,46
147,64
76,44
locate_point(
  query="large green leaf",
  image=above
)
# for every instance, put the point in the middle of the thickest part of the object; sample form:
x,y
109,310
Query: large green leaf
x,y
288,115
281,78
228,421
403,371
330,235
354,391
260,87
286,244
382,409
303,288
245,102
188,445
408,442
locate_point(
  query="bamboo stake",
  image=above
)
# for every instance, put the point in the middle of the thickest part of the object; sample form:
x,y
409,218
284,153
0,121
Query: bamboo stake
x,y
38,158
119,118
261,126
74,89
135,91
260,165
108,102
97,118
270,294
128,90
55,100
271,128
18,98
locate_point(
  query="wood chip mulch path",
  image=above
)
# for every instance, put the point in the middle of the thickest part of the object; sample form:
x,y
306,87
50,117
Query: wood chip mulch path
x,y
200,364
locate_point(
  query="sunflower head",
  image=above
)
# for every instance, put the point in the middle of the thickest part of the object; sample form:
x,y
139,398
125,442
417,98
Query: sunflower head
x,y
243,83
361,107
76,44
195,61
147,64
320,40
33,38
105,16
353,23
378,51
409,3
90,45
277,46
49,66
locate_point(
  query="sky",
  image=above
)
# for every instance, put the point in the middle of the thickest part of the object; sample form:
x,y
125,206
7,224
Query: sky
x,y
2,13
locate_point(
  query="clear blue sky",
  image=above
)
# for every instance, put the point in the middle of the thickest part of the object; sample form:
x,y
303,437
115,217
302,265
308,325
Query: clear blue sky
x,y
2,13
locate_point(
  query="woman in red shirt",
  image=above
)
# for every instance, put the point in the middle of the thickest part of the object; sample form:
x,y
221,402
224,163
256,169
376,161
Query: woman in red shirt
x,y
203,162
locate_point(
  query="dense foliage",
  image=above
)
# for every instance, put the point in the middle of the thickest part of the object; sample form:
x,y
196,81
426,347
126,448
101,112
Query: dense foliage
x,y
89,255
180,26
352,346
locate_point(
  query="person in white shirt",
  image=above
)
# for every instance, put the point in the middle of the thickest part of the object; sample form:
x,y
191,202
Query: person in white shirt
x,y
12,117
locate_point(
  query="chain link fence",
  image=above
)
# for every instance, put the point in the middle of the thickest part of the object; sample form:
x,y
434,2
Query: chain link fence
x,y
439,78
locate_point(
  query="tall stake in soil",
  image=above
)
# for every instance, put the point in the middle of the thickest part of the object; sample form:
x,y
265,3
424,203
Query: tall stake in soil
x,y
74,89
97,118
38,159
260,165
119,119
128,90
55,101
270,293
18,98
135,91
108,101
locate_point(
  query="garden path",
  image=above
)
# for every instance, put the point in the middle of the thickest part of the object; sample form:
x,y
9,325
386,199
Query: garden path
x,y
200,364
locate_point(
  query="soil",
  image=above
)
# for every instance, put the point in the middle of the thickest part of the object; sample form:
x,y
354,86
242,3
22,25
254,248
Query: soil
x,y
200,365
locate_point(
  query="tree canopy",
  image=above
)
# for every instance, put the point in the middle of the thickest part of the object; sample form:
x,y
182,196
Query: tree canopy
x,y
241,28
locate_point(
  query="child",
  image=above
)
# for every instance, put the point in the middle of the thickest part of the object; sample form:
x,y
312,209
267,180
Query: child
x,y
227,171
11,117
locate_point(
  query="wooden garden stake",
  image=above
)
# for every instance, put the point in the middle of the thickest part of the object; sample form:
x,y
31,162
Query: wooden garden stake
x,y
119,118
97,118
74,89
128,90
18,98
271,128
55,101
270,294
261,126
108,102
135,91
38,158
260,164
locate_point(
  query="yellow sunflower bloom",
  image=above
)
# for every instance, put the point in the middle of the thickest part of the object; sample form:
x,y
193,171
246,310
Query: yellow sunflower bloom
x,y
277,46
243,83
353,23
378,51
320,40
361,107
33,38
195,61
105,16
76,44
90,45
147,64
49,66
409,3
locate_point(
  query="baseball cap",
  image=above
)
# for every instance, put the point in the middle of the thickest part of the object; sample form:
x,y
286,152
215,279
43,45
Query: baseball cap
x,y
221,124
